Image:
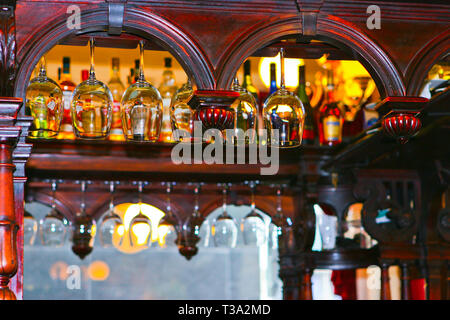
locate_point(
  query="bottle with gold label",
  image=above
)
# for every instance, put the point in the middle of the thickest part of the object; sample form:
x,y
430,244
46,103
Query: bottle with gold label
x,y
331,118
67,87
117,88
167,90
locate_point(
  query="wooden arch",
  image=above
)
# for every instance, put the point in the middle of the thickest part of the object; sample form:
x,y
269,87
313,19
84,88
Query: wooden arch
x,y
144,24
342,33
435,50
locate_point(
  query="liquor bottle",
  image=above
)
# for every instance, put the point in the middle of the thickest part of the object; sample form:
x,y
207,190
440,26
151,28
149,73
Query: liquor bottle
x,y
331,118
117,88
247,84
167,89
67,86
130,78
309,125
135,73
273,78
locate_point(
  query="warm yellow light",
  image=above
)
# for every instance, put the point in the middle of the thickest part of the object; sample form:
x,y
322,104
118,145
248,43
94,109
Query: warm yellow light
x,y
141,231
98,271
290,70
163,230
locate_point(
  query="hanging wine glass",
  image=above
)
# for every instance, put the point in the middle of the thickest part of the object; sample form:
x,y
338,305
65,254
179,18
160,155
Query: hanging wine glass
x,y
44,104
181,114
284,115
91,107
141,108
52,227
167,234
83,229
275,227
253,226
140,230
245,115
111,223
225,230
203,230
30,228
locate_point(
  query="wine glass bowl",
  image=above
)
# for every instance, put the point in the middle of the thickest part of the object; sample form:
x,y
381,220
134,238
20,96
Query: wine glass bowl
x,y
30,228
181,114
245,113
225,231
52,229
141,112
92,110
108,228
44,104
283,111
254,229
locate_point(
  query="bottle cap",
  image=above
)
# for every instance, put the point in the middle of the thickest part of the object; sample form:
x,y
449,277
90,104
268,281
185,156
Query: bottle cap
x,y
84,75
115,62
168,62
66,65
247,66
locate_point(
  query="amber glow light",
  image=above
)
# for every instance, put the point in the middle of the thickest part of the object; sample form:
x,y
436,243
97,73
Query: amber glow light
x,y
291,78
127,211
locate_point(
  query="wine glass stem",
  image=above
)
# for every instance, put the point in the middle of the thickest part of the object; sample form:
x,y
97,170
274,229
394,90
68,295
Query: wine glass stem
x,y
42,67
141,62
91,47
282,84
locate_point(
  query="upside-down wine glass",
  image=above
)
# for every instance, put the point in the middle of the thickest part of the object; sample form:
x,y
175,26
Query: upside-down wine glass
x,y
84,228
141,108
284,115
91,106
53,229
225,230
276,226
140,230
205,229
253,226
44,104
111,223
167,234
30,228
181,114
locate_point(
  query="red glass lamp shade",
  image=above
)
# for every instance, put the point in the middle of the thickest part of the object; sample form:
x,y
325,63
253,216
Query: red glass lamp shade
x,y
401,126
401,116
213,108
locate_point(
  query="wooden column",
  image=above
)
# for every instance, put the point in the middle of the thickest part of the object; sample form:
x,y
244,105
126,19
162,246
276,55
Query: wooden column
x,y
405,280
14,153
306,293
385,293
8,225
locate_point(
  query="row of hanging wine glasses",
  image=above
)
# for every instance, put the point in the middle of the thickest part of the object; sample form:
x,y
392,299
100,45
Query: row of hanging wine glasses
x,y
223,232
142,109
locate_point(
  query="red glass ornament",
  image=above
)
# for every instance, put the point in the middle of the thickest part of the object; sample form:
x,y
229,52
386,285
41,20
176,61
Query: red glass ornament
x,y
212,108
401,126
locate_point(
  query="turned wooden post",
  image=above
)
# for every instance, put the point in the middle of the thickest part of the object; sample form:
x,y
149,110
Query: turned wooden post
x,y
8,226
385,293
405,281
306,293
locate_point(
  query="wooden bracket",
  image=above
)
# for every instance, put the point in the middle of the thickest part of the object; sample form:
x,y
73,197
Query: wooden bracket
x,y
309,10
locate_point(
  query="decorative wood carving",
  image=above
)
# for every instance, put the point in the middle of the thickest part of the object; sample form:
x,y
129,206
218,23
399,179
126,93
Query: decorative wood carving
x,y
398,194
309,10
7,48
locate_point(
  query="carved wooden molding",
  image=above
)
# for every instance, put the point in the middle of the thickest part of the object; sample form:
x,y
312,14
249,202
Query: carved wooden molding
x,y
402,209
7,48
